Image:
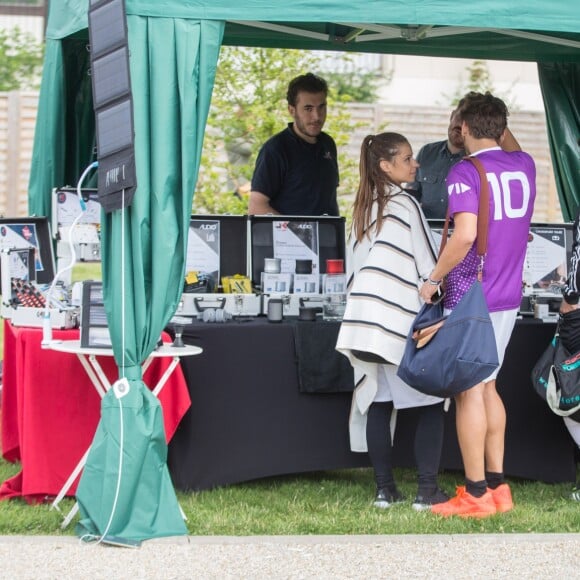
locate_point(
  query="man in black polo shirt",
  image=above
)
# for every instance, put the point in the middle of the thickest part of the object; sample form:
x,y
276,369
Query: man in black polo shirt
x,y
435,160
296,170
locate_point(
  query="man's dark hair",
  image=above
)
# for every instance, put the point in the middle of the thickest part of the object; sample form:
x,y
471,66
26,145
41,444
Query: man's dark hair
x,y
485,115
308,83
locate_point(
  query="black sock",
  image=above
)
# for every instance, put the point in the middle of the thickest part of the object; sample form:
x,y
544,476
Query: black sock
x,y
379,443
475,488
494,480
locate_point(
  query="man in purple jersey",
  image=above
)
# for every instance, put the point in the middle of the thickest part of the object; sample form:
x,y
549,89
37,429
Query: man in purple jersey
x,y
511,175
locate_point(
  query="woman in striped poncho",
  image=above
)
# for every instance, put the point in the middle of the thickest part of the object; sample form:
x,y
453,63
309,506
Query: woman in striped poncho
x,y
390,252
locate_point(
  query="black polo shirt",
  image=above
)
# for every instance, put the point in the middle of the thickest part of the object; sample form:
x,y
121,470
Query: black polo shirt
x,y
300,178
436,160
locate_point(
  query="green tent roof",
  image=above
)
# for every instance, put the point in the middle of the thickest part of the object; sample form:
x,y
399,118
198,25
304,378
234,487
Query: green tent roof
x,y
489,29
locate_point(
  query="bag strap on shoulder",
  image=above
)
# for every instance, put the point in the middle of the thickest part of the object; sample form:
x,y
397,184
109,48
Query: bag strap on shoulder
x,y
482,215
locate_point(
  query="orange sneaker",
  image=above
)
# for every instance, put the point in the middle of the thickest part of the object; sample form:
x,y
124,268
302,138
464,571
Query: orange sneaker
x,y
502,497
466,506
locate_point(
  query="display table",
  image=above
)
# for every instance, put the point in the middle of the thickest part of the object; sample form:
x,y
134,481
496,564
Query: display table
x,y
249,418
90,358
50,409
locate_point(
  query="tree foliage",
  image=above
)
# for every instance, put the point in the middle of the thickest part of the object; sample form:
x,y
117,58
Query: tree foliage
x,y
20,60
357,87
352,82
248,107
479,80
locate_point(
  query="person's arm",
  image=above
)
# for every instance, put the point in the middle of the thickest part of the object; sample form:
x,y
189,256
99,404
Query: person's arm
x,y
508,142
570,292
259,204
457,247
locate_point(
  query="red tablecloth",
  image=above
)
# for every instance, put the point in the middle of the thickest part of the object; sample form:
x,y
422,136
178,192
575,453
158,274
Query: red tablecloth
x,y
50,410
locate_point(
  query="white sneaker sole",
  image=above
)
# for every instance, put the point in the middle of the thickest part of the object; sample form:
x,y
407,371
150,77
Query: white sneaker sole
x,y
421,507
382,504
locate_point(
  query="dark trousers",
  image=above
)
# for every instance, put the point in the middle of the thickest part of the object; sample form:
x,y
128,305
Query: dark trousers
x,y
427,447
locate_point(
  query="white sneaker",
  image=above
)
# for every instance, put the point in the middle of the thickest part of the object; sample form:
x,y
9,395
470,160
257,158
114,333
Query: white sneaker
x,y
386,498
424,502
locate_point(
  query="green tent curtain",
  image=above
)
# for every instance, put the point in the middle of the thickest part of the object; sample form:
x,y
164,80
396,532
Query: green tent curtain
x,y
64,139
560,84
173,63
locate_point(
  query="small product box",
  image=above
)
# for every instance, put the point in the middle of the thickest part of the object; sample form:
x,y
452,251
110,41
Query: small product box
x,y
334,283
306,283
276,283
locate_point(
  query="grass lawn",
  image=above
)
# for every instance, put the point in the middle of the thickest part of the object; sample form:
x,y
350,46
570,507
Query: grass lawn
x,y
337,502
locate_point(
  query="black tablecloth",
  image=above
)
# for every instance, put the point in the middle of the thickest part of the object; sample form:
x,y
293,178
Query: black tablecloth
x,y
249,419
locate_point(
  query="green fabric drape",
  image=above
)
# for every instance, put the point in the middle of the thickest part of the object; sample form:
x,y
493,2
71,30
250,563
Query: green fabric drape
x,y
64,138
560,84
125,492
173,64
48,154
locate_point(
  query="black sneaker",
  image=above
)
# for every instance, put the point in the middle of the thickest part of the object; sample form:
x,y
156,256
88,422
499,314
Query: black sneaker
x,y
386,498
575,495
424,502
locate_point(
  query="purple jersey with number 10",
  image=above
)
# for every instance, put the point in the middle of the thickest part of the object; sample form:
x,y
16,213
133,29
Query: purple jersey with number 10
x,y
512,191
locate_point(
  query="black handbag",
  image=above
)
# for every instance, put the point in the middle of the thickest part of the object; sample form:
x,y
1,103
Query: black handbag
x,y
446,355
556,379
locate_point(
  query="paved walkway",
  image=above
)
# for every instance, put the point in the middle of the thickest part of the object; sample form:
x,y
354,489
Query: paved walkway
x,y
514,556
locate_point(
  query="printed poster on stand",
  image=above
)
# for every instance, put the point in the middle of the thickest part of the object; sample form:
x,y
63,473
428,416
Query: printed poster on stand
x,y
203,248
21,236
545,268
296,240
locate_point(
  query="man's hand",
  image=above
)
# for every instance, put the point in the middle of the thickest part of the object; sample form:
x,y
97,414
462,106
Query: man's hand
x,y
259,204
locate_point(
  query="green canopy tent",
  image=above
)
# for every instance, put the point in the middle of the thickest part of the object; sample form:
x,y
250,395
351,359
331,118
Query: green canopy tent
x,y
174,46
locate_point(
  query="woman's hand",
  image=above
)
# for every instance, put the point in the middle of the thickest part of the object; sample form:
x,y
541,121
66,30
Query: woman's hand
x,y
427,290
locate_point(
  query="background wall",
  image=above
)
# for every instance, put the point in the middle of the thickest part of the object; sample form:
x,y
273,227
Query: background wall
x,y
425,81
17,122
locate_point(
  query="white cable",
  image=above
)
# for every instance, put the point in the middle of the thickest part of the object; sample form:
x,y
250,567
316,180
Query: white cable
x,y
46,324
123,278
118,488
121,431
102,538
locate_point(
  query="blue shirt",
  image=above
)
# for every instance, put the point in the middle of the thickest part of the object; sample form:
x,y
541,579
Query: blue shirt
x,y
435,160
300,178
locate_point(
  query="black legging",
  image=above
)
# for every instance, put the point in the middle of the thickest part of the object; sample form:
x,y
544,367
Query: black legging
x,y
428,444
